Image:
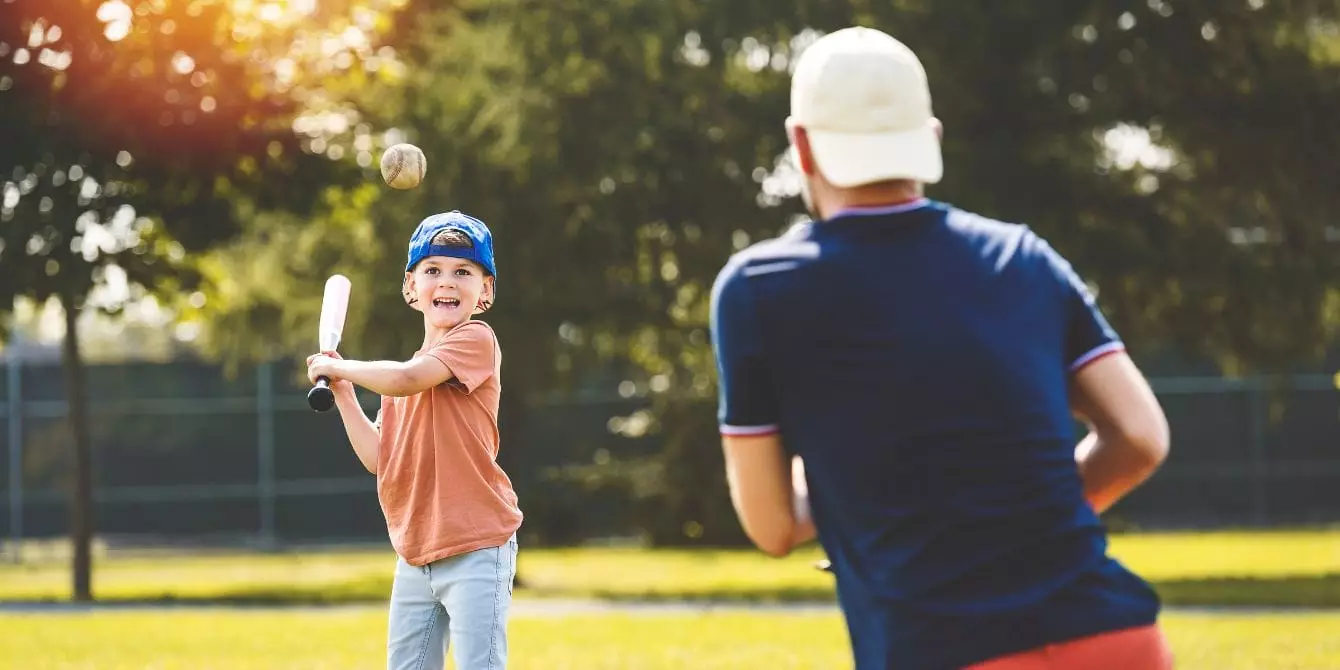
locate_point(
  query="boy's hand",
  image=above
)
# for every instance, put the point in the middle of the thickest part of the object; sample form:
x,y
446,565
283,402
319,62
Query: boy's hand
x,y
321,365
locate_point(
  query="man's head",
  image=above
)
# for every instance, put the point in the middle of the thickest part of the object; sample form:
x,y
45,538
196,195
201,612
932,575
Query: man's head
x,y
861,117
450,275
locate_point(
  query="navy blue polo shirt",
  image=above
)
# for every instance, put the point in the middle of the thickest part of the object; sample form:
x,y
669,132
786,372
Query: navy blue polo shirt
x,y
917,358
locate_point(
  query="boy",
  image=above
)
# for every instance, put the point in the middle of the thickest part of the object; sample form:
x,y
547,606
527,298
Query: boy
x,y
451,512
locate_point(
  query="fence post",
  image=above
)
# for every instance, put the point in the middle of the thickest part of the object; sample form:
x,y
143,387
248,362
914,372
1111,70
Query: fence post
x,y
15,424
265,443
1258,413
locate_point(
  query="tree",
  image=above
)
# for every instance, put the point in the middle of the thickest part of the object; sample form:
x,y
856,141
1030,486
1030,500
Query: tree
x,y
133,135
621,150
548,138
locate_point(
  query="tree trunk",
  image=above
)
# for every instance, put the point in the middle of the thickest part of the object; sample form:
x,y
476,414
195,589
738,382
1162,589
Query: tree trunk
x,y
81,494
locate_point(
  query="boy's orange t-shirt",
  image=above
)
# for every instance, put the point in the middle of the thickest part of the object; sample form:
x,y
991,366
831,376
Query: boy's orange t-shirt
x,y
438,478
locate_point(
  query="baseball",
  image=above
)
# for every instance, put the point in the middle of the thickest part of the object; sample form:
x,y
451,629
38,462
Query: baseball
x,y
403,166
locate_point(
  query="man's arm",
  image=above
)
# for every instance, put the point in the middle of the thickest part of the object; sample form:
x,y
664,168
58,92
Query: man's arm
x,y
1128,438
768,493
1128,433
773,511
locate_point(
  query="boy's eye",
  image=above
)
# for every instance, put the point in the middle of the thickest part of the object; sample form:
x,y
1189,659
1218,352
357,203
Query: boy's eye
x,y
462,272
431,271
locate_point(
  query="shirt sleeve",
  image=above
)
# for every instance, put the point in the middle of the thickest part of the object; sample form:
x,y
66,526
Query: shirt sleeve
x,y
1088,336
746,401
470,351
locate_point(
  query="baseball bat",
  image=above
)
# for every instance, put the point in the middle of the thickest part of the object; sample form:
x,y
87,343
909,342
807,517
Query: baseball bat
x,y
334,307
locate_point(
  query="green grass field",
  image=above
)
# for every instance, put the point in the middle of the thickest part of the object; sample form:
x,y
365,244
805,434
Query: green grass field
x,y
1257,568
353,638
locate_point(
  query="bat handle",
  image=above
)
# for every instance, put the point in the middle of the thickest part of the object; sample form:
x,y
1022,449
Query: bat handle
x,y
321,398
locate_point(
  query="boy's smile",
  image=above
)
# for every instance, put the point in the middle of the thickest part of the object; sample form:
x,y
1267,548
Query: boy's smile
x,y
446,303
445,312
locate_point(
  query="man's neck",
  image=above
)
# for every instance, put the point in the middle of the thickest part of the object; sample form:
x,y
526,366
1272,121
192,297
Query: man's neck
x,y
873,196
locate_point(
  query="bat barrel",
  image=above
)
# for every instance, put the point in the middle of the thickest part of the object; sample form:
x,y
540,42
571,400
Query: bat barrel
x,y
334,306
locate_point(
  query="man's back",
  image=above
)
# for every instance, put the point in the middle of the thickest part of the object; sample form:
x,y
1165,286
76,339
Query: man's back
x,y
917,359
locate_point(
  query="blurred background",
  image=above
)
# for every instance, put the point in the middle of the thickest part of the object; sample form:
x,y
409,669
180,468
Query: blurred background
x,y
179,177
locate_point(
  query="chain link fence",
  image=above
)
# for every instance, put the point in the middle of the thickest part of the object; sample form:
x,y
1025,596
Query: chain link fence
x,y
185,453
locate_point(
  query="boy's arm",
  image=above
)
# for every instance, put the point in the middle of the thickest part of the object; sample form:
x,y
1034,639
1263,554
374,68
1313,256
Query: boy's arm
x,y
362,432
393,378
468,354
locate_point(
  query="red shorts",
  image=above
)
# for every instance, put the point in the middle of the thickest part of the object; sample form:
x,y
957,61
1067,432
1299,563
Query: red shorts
x,y
1142,648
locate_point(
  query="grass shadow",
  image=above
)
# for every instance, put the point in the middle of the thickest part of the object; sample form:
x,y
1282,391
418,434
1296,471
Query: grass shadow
x,y
1304,591
354,591
1313,591
803,595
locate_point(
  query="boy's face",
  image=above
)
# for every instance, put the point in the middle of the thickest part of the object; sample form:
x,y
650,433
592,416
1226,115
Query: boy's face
x,y
449,290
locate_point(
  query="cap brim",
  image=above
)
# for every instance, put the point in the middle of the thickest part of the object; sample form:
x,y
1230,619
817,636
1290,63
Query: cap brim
x,y
852,159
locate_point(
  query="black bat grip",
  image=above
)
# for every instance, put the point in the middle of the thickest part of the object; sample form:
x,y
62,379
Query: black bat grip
x,y
321,398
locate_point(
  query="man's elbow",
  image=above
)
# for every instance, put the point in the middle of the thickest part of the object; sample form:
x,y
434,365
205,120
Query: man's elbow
x,y
775,548
1156,447
773,542
1148,443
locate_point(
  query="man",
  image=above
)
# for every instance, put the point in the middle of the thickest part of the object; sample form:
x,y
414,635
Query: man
x,y
925,364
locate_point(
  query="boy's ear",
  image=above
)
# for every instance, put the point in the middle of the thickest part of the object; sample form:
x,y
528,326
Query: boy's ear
x,y
407,290
485,295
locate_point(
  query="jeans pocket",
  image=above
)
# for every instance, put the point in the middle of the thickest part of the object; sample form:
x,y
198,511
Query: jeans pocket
x,y
513,551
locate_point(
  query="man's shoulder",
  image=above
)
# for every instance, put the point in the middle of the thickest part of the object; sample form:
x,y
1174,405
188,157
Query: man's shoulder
x,y
972,223
1000,239
786,251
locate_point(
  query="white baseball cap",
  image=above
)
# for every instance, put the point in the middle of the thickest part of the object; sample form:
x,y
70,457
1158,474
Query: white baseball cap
x,y
863,98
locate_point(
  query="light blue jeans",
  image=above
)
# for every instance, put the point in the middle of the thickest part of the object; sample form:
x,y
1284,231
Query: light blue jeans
x,y
458,603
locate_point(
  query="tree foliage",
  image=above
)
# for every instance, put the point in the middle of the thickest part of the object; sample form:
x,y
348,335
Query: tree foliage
x,y
132,135
131,131
621,150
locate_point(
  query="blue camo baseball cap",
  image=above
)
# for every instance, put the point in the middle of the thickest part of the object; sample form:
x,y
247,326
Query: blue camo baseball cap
x,y
421,242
